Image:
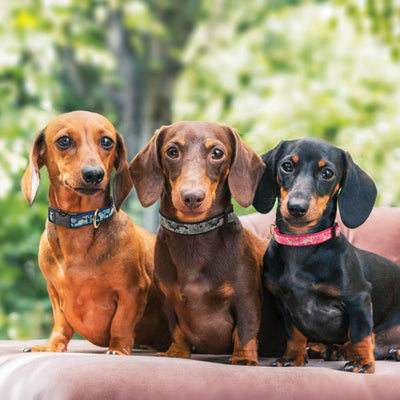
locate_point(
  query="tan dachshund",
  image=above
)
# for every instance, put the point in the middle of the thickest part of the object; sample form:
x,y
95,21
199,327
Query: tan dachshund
x,y
207,265
97,263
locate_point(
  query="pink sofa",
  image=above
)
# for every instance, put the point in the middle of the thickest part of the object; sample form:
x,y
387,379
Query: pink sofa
x,y
84,373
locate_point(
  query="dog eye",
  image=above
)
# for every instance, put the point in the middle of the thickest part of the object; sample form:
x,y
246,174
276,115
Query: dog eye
x,y
327,173
173,152
287,166
217,154
64,142
106,143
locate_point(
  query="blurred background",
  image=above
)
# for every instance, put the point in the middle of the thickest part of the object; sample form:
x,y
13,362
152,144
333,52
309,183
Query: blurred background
x,y
273,69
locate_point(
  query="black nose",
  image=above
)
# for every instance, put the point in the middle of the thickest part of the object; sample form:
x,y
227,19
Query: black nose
x,y
192,198
297,207
92,174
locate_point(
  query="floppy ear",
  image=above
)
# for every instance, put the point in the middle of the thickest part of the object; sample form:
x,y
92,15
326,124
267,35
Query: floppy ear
x,y
146,171
268,188
357,196
31,178
245,172
122,183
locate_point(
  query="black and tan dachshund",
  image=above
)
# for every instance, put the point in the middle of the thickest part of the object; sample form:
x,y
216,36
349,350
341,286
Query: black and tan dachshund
x,y
328,290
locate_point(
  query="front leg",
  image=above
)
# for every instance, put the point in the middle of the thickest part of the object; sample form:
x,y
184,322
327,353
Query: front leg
x,y
62,331
180,346
248,318
296,350
360,348
130,309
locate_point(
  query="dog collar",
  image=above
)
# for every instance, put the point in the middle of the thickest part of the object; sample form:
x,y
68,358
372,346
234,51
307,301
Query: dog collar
x,y
304,240
76,220
196,228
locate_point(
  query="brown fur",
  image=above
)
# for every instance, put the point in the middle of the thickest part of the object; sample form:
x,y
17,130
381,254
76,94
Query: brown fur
x,y
99,280
212,280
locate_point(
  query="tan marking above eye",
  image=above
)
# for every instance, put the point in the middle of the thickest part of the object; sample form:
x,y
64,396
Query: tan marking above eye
x,y
321,163
295,159
209,144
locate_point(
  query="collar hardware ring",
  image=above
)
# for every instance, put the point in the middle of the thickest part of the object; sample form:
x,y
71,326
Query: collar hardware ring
x,y
95,223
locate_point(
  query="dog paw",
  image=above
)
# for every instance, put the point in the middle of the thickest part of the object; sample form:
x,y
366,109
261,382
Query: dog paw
x,y
284,362
326,352
395,354
333,353
176,351
354,366
27,350
114,352
243,361
57,348
174,354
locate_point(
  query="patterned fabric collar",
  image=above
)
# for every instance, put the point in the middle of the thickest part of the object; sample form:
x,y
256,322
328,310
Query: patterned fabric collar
x,y
76,220
197,228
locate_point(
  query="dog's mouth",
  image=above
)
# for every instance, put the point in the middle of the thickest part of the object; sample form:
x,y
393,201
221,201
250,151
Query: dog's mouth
x,y
87,191
299,225
190,215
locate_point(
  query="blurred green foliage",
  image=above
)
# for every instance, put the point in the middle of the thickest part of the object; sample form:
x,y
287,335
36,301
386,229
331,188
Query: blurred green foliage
x,y
274,70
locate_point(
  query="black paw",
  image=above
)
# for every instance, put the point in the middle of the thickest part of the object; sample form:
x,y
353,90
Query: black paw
x,y
395,353
333,353
281,362
354,366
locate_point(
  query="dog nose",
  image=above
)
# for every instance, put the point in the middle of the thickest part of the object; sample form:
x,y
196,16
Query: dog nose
x,y
92,174
297,207
192,198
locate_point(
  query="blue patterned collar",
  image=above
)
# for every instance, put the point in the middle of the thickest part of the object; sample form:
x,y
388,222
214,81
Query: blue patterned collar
x,y
76,220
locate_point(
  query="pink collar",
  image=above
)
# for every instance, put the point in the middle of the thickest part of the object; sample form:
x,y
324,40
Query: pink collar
x,y
304,240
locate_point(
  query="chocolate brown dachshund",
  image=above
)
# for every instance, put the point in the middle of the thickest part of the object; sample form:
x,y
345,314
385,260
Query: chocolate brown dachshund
x,y
207,265
97,263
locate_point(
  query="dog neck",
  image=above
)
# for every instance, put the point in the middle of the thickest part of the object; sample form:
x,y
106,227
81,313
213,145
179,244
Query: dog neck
x,y
197,228
68,200
220,214
76,211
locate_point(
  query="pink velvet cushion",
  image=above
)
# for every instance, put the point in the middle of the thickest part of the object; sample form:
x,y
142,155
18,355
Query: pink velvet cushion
x,y
379,234
86,374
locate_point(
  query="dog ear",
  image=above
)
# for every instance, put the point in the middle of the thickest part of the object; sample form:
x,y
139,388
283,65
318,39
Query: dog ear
x,y
146,171
268,187
245,172
357,196
122,184
31,178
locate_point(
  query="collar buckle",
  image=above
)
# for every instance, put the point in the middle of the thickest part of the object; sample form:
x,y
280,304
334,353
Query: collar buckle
x,y
95,223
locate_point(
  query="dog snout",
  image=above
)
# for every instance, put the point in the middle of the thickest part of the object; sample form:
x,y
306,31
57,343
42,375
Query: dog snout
x,y
298,207
193,198
91,174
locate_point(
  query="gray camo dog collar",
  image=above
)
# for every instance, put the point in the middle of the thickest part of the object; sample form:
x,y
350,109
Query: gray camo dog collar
x,y
196,228
76,220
